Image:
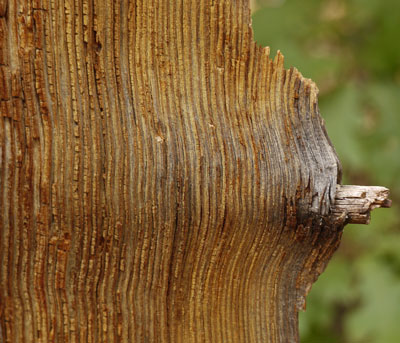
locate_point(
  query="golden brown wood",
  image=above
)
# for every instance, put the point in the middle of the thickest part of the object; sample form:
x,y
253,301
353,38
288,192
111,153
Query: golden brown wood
x,y
162,178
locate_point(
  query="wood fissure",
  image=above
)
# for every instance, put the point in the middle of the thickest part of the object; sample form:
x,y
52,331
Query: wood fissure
x,y
162,178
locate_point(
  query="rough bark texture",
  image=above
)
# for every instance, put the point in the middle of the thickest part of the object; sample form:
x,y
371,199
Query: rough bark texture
x,y
162,178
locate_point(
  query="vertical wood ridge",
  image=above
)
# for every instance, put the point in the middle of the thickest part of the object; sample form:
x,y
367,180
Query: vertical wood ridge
x,y
158,171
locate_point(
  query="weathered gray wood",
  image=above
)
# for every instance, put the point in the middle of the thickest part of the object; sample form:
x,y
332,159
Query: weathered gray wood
x,y
356,202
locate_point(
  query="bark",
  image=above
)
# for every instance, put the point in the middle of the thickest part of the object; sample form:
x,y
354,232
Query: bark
x,y
162,178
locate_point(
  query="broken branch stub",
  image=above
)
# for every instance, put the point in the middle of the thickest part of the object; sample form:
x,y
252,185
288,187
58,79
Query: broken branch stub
x,y
355,203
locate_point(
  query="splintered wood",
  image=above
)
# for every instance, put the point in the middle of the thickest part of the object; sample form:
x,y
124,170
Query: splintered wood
x,y
356,202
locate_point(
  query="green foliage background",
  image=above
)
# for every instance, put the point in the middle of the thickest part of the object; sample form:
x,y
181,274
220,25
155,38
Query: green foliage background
x,y
351,49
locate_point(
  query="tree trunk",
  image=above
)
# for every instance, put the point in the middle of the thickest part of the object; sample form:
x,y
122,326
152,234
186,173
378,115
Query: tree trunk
x,y
162,178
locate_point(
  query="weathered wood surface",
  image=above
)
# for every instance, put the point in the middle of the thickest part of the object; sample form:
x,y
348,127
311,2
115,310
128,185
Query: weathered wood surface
x,y
162,178
357,202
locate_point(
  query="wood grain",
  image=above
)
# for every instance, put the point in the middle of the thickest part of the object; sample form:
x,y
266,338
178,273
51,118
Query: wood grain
x,y
355,203
163,178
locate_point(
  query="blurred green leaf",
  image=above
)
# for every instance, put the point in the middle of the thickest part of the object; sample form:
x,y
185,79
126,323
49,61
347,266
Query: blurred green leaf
x,y
343,117
378,317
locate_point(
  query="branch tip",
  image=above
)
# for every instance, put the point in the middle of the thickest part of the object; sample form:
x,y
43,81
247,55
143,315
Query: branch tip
x,y
358,201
